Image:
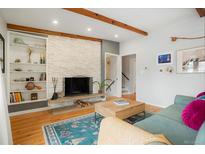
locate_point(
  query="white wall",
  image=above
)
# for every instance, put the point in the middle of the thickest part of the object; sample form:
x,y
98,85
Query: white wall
x,y
5,129
2,31
115,70
2,26
158,88
112,74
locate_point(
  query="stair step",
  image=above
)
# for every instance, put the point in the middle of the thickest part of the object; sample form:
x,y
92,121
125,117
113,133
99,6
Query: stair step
x,y
125,91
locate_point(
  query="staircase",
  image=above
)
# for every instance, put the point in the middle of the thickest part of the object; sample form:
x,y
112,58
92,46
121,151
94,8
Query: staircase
x,y
125,91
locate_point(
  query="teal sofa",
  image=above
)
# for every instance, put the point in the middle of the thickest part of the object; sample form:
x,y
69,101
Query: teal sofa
x,y
169,123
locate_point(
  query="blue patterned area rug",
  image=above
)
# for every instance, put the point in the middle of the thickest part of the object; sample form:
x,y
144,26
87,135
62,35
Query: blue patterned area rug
x,y
81,130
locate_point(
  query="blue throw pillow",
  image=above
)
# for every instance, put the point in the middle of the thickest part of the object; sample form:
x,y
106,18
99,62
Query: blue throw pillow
x,y
201,97
200,138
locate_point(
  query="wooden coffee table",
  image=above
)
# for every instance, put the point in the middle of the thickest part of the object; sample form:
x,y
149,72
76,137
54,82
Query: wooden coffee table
x,y
109,109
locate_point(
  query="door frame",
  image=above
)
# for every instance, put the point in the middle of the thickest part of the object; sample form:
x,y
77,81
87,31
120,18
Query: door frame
x,y
128,54
119,64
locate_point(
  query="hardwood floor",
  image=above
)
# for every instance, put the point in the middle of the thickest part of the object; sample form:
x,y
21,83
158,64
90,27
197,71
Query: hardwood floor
x,y
27,128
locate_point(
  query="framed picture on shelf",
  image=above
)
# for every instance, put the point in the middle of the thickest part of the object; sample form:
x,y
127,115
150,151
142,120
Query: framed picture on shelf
x,y
34,96
191,60
164,58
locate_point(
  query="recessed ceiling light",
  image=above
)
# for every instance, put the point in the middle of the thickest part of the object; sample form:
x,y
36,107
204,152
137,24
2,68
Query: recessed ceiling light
x,y
55,22
89,29
116,36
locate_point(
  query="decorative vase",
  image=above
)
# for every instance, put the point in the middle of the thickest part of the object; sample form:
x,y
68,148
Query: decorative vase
x,y
55,96
100,91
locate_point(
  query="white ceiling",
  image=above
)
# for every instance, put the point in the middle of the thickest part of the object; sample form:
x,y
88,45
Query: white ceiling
x,y
146,19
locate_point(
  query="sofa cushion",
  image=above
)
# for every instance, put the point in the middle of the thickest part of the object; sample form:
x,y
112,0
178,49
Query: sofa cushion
x,y
176,132
200,138
193,114
201,97
183,100
173,112
201,94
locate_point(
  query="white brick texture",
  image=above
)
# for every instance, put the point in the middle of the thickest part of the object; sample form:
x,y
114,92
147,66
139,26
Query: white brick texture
x,y
67,57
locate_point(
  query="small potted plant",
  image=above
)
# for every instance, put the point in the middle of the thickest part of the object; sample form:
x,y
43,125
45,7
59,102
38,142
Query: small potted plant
x,y
101,85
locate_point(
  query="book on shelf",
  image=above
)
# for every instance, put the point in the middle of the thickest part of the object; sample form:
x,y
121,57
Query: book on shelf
x,y
121,102
15,97
12,98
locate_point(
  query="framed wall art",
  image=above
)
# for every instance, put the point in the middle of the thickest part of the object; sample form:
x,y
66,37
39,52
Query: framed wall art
x,y
164,58
191,60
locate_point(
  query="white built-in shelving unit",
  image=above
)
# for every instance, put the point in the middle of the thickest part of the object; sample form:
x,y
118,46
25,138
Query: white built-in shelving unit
x,y
16,79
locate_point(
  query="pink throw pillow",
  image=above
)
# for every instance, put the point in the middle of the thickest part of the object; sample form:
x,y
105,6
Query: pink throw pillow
x,y
201,94
193,115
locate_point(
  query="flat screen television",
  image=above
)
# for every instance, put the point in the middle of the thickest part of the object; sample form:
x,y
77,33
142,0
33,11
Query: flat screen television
x,y
78,86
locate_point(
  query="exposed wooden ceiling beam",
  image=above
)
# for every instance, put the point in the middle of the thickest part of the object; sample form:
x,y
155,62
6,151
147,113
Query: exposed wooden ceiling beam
x,y
201,11
49,32
186,38
108,20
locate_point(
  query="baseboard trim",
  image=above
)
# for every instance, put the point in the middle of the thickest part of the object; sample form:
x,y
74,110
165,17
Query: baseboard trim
x,y
160,106
28,111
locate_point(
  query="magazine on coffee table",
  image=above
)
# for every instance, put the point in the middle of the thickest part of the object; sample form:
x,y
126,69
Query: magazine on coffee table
x,y
121,102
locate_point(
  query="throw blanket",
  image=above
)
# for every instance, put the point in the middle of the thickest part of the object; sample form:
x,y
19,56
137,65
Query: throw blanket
x,y
116,131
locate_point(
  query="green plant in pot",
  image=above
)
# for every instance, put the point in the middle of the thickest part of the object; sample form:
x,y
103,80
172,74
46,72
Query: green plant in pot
x,y
102,85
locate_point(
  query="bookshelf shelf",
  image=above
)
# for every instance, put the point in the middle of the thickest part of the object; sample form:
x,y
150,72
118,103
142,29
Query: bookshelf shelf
x,y
28,71
24,82
27,46
26,102
28,91
32,63
28,64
